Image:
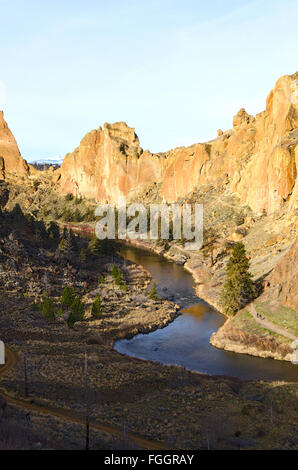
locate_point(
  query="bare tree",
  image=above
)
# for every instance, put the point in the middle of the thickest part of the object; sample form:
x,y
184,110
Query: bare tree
x,y
210,241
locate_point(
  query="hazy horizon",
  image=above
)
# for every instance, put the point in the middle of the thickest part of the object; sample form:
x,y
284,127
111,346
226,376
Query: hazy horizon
x,y
175,72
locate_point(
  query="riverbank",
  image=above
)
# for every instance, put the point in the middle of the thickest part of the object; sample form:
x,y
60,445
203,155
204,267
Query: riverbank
x,y
236,335
239,338
267,239
168,404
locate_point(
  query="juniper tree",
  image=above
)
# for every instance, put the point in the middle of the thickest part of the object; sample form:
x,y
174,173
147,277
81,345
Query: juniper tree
x,y
72,244
115,271
118,278
77,309
48,309
210,236
153,292
62,244
76,312
94,246
239,288
97,308
68,296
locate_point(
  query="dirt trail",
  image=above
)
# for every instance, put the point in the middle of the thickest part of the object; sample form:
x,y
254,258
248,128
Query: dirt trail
x,y
139,441
271,326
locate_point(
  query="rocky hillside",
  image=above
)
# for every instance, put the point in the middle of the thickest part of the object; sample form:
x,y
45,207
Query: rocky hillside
x,y
256,159
273,335
283,281
245,178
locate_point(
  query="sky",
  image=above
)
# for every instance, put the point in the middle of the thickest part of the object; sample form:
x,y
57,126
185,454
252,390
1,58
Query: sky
x,y
176,71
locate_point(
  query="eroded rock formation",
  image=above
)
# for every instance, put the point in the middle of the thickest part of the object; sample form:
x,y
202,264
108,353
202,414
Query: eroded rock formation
x,y
257,159
10,157
109,162
284,279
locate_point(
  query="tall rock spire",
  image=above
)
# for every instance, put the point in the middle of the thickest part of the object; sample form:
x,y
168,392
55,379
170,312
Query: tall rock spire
x,y
10,157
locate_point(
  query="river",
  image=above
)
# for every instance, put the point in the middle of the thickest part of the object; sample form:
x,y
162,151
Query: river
x,y
185,342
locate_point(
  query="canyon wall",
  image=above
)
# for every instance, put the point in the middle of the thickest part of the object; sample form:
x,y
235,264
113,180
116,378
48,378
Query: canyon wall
x,y
283,281
11,161
109,162
256,159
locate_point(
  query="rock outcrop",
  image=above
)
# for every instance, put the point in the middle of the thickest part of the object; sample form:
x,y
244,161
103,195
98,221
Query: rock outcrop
x,y
11,161
108,163
256,160
284,279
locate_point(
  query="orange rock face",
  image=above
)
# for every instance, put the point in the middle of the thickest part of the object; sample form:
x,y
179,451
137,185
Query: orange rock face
x,y
285,277
109,163
11,161
256,160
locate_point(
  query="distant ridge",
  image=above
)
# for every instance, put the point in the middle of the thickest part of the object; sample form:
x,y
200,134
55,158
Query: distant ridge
x,y
47,161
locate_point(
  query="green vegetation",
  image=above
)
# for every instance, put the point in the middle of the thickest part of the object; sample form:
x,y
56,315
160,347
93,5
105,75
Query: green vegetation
x,y
117,275
210,236
36,306
239,287
68,296
244,321
97,308
153,293
76,312
69,197
115,271
48,311
279,315
60,312
63,244
94,247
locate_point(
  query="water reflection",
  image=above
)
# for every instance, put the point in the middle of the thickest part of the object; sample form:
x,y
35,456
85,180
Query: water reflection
x,y
196,311
185,341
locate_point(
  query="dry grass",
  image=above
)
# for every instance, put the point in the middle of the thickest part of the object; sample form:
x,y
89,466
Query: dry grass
x,y
244,322
279,315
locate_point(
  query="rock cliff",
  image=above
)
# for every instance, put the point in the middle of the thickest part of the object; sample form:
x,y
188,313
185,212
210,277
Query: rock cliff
x,y
283,281
109,162
11,161
256,159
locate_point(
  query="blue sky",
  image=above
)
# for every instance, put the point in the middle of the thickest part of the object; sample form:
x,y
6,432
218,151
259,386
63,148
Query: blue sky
x,y
175,70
